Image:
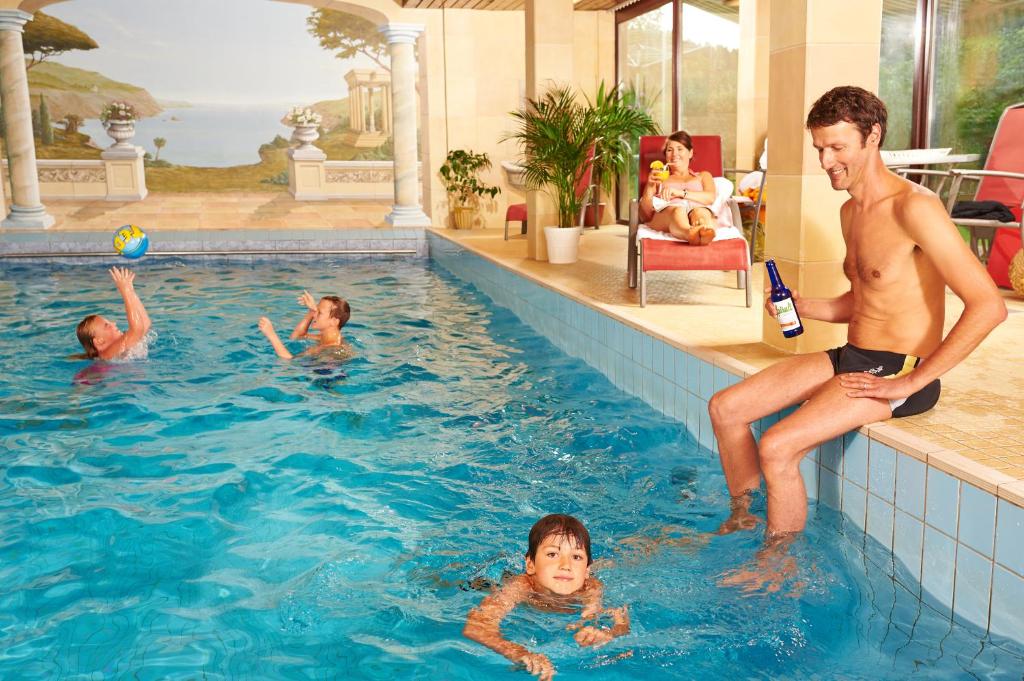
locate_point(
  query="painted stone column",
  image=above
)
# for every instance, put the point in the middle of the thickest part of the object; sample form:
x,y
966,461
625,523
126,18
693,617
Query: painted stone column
x,y
369,105
27,210
549,62
407,211
815,45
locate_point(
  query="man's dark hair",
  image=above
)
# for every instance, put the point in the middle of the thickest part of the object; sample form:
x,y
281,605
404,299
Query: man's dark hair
x,y
84,332
559,525
340,309
851,104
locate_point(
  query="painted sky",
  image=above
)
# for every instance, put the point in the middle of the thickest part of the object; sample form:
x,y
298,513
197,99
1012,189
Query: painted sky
x,y
243,52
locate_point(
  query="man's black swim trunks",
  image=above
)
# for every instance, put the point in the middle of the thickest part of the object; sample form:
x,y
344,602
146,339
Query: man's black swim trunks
x,y
851,359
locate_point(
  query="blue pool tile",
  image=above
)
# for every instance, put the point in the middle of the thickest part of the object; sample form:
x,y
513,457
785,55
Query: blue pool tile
x,y
647,351
938,566
907,542
721,381
692,374
693,408
831,455
910,484
972,587
658,363
769,421
829,488
707,434
679,404
1007,618
942,499
813,455
678,367
880,520
855,503
707,380
809,472
977,519
1010,537
882,471
855,458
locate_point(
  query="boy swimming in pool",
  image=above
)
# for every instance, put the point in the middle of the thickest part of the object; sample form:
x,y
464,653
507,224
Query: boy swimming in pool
x,y
100,337
327,316
557,577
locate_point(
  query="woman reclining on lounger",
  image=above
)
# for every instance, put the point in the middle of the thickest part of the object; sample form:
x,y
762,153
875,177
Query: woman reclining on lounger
x,y
679,203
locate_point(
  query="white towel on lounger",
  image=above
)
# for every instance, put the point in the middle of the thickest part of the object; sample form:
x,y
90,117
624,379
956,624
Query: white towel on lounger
x,y
721,234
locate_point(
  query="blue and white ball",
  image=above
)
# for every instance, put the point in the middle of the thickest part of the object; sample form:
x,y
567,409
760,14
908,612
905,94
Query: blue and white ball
x,y
131,242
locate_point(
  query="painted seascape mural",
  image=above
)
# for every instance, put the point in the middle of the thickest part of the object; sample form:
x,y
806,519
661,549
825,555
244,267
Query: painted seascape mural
x,y
209,84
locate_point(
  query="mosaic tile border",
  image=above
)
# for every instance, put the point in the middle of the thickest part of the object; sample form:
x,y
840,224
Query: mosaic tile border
x,y
954,545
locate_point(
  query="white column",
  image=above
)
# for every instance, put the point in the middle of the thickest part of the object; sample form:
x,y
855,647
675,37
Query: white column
x,y
407,211
370,105
27,210
387,110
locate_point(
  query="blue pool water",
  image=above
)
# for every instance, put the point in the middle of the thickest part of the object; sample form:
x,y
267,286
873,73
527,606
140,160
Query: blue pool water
x,y
213,512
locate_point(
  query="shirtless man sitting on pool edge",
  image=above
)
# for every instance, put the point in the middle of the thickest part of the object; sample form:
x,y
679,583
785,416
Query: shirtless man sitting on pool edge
x,y
902,251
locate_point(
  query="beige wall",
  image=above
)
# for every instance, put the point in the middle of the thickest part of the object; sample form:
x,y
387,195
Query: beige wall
x,y
482,76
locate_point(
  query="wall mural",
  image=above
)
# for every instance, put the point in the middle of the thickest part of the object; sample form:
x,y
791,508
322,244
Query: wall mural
x,y
210,86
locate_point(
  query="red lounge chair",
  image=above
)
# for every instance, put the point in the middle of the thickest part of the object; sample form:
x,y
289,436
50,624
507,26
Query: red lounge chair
x,y
516,212
648,255
1002,180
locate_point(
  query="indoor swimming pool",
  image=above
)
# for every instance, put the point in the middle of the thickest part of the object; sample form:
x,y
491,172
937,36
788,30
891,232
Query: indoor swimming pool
x,y
215,512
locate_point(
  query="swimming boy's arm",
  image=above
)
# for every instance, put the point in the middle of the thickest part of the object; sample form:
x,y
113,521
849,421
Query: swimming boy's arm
x,y
587,635
483,625
138,319
268,330
302,328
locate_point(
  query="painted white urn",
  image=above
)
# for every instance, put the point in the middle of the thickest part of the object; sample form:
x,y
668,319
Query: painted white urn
x,y
121,132
305,135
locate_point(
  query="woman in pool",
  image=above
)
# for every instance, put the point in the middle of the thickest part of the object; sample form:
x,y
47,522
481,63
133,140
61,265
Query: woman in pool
x,y
679,203
557,578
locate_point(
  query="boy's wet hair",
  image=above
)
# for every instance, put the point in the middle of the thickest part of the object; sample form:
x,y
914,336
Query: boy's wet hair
x,y
851,104
560,525
84,332
340,309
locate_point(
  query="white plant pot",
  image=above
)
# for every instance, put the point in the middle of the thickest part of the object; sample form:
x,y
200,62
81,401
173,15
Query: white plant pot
x,y
121,132
563,244
305,135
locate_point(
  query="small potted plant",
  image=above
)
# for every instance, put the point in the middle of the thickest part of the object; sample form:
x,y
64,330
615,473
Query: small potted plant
x,y
306,123
459,173
119,120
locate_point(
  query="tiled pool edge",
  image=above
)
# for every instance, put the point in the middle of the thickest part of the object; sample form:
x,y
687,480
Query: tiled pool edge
x,y
960,548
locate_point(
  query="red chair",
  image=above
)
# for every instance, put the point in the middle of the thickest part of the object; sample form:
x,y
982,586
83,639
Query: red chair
x,y
516,212
649,255
1002,180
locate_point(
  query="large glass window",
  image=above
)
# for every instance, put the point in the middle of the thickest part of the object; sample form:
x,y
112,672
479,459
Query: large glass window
x,y
896,70
645,69
709,64
978,71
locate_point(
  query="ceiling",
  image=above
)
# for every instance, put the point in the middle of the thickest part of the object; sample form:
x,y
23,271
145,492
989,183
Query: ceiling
x,y
499,4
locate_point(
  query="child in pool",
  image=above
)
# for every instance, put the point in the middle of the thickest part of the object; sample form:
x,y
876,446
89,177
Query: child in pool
x,y
100,337
557,577
327,316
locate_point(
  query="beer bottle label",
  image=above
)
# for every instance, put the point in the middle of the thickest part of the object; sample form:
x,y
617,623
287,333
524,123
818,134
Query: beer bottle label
x,y
786,314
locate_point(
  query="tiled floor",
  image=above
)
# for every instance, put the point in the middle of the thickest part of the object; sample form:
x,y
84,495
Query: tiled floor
x,y
216,211
976,432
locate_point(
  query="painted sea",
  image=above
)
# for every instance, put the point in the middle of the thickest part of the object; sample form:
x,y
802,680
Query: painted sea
x,y
204,135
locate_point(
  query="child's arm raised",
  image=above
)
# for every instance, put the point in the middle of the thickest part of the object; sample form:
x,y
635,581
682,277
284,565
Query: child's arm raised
x,y
483,625
302,328
138,319
268,330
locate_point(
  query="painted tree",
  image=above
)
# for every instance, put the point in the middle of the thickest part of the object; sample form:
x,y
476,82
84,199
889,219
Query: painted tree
x,y
45,125
159,143
47,36
349,35
72,122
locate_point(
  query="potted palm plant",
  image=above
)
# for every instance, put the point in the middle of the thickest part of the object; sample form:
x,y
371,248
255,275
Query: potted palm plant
x,y
621,119
465,189
554,134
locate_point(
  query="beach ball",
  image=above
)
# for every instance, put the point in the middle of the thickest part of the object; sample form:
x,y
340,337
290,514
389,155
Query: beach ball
x,y
130,241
